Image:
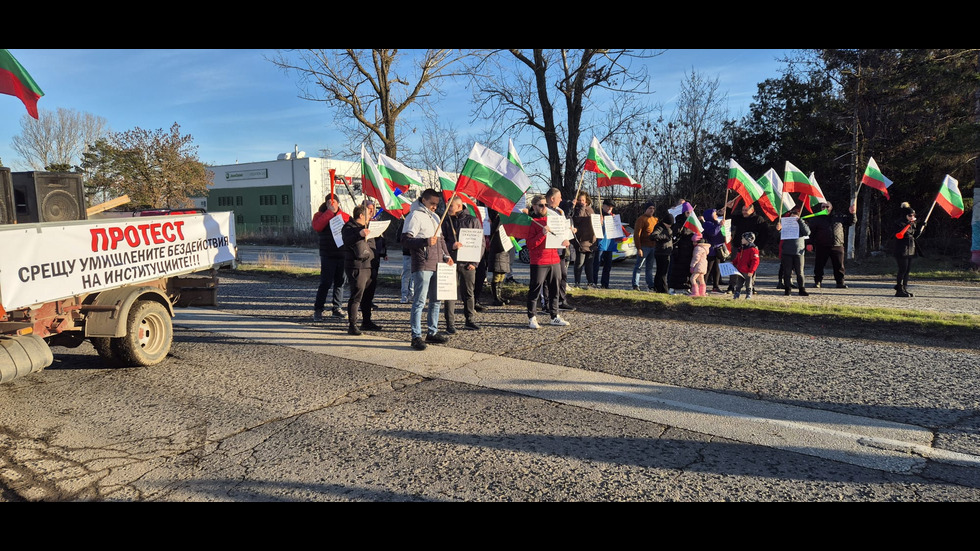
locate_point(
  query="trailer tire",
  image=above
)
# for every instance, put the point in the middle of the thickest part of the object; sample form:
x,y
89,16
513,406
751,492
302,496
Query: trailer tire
x,y
149,334
103,345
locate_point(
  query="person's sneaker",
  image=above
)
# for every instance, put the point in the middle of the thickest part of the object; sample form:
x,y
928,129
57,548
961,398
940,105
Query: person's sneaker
x,y
403,300
786,291
636,287
671,291
436,338
338,313
450,329
842,286
747,296
353,330
318,315
736,295
803,293
471,326
479,307
418,343
557,320
816,284
370,326
374,306
533,323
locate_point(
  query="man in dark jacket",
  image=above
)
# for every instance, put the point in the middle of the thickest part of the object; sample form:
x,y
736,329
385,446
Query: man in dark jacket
x,y
827,238
331,258
457,219
359,254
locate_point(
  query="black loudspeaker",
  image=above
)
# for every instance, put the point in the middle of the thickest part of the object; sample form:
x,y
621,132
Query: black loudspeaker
x,y
48,197
8,214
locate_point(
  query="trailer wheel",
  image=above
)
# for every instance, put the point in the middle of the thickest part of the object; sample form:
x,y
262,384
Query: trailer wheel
x,y
103,345
149,334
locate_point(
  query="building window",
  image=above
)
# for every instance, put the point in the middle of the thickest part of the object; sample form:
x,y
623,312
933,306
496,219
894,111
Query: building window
x,y
285,219
225,201
285,199
238,200
267,199
240,219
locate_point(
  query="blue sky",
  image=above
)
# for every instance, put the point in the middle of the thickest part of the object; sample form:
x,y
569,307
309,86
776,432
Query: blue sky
x,y
239,107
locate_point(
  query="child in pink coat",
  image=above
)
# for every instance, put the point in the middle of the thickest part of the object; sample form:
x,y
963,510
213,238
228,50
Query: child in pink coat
x,y
699,265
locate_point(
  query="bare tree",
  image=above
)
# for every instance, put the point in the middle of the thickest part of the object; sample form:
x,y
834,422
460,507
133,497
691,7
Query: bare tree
x,y
369,90
57,139
699,116
550,93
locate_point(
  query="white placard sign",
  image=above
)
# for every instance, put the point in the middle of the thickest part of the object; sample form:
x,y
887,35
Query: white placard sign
x,y
676,211
485,216
614,226
561,231
791,228
445,281
728,230
727,268
597,225
46,262
377,228
505,241
471,245
337,227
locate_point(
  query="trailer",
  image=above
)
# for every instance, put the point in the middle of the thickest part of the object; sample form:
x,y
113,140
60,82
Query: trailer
x,y
113,281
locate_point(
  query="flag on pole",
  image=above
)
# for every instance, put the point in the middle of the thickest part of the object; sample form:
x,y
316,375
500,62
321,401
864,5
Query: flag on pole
x,y
606,172
794,181
748,189
773,186
16,81
516,224
815,197
373,185
448,185
950,198
489,177
692,223
398,176
875,179
512,155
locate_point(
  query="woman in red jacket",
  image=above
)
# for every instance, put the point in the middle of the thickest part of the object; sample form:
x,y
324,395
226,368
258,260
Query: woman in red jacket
x,y
545,265
746,262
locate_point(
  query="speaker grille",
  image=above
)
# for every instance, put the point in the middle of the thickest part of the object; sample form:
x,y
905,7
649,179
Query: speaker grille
x,y
8,213
49,197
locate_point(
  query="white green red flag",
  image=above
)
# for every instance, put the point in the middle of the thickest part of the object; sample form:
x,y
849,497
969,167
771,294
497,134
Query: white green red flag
x,y
448,186
512,154
875,179
692,223
748,189
816,196
489,177
516,224
794,181
773,187
373,185
950,198
398,176
606,172
16,81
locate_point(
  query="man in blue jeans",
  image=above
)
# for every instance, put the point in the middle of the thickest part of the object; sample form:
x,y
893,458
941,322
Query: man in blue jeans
x,y
428,248
645,245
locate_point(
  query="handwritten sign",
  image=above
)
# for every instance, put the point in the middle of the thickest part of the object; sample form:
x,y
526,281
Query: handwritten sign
x,y
471,245
377,228
791,228
613,226
485,216
336,227
505,241
445,281
560,231
727,268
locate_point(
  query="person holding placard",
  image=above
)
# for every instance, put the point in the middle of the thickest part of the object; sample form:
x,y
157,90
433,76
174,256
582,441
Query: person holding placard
x,y
331,256
464,239
553,198
499,257
428,248
792,246
359,254
606,247
585,238
545,266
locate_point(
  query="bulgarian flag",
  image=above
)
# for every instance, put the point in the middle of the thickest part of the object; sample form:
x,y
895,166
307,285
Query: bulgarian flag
x,y
606,172
489,177
950,198
516,224
748,189
373,185
794,181
692,223
448,186
512,155
773,186
16,81
398,176
874,178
